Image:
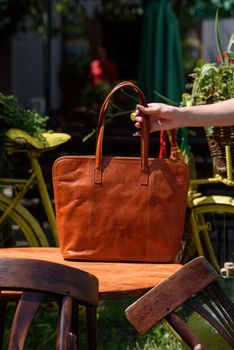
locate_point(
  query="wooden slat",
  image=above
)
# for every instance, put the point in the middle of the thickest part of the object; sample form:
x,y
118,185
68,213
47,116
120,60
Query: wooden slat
x,y
3,309
48,276
183,330
26,309
63,335
91,327
171,293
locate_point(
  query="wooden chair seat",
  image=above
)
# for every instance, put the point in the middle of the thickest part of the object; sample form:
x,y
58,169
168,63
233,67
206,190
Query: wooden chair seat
x,y
29,282
116,280
196,285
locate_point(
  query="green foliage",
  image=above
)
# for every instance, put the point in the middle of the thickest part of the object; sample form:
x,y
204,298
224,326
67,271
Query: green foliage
x,y
42,333
12,115
13,13
202,8
190,13
212,83
114,331
116,10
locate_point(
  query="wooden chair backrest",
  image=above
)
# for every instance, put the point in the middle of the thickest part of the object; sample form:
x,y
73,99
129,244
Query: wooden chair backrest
x,y
195,285
35,280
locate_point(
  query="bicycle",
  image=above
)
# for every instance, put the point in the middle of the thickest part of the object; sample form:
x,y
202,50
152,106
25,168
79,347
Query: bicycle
x,y
212,217
12,212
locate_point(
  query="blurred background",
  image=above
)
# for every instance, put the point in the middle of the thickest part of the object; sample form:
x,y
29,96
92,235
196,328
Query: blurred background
x,y
61,57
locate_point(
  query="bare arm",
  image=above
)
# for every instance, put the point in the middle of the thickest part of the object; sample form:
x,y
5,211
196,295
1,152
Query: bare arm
x,y
164,116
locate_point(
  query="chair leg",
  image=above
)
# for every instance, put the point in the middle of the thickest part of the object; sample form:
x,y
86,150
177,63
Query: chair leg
x,y
75,324
64,340
91,319
3,308
26,309
183,330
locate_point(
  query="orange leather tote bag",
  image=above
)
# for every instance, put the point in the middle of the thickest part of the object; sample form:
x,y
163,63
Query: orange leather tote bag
x,y
120,208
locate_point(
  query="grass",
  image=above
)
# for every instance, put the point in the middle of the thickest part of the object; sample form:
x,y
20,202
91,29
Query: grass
x,y
114,331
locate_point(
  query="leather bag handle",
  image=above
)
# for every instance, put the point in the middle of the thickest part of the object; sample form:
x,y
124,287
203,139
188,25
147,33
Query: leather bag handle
x,y
144,134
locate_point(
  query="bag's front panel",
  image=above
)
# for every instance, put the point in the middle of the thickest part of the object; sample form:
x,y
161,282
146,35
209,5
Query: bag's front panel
x,y
119,219
169,181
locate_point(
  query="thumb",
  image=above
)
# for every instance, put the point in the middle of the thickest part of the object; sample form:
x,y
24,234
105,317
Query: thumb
x,y
143,109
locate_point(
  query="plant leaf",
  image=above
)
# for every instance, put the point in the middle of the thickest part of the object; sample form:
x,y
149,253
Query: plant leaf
x,y
217,36
204,70
166,99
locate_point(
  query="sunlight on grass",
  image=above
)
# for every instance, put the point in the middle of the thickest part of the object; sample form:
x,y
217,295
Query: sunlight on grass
x,y
114,331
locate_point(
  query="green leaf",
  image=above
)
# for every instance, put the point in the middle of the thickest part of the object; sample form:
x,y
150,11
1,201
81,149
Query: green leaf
x,y
217,36
168,100
207,68
89,135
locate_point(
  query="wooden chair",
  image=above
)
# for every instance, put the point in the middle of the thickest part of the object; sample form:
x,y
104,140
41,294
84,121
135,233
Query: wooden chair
x,y
195,285
29,282
116,280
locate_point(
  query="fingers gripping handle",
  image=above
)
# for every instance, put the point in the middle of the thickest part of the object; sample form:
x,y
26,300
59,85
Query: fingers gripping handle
x,y
144,134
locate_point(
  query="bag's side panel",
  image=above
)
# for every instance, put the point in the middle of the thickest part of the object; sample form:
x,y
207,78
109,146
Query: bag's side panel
x,y
119,219
72,190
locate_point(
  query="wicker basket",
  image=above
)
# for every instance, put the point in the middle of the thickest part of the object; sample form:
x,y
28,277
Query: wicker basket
x,y
218,140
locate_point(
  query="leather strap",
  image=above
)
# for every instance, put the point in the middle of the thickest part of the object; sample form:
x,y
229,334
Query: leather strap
x,y
144,134
173,154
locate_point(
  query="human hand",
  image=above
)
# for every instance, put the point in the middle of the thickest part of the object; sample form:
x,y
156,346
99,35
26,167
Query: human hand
x,y
162,117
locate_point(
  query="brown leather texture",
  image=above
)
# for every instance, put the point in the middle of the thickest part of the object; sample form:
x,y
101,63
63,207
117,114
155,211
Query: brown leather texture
x,y
120,208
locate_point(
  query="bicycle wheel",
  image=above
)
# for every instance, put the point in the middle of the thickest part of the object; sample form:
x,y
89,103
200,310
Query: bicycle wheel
x,y
23,226
212,227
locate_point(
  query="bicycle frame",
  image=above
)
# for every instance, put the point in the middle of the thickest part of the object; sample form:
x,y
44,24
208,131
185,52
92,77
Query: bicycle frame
x,y
23,185
196,202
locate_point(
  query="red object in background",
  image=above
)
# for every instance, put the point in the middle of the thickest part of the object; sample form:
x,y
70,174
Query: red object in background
x,y
101,69
224,54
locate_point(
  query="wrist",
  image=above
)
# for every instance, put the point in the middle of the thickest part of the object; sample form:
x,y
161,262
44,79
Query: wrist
x,y
182,116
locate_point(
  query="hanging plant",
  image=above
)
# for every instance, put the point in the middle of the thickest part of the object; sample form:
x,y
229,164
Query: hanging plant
x,y
214,82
